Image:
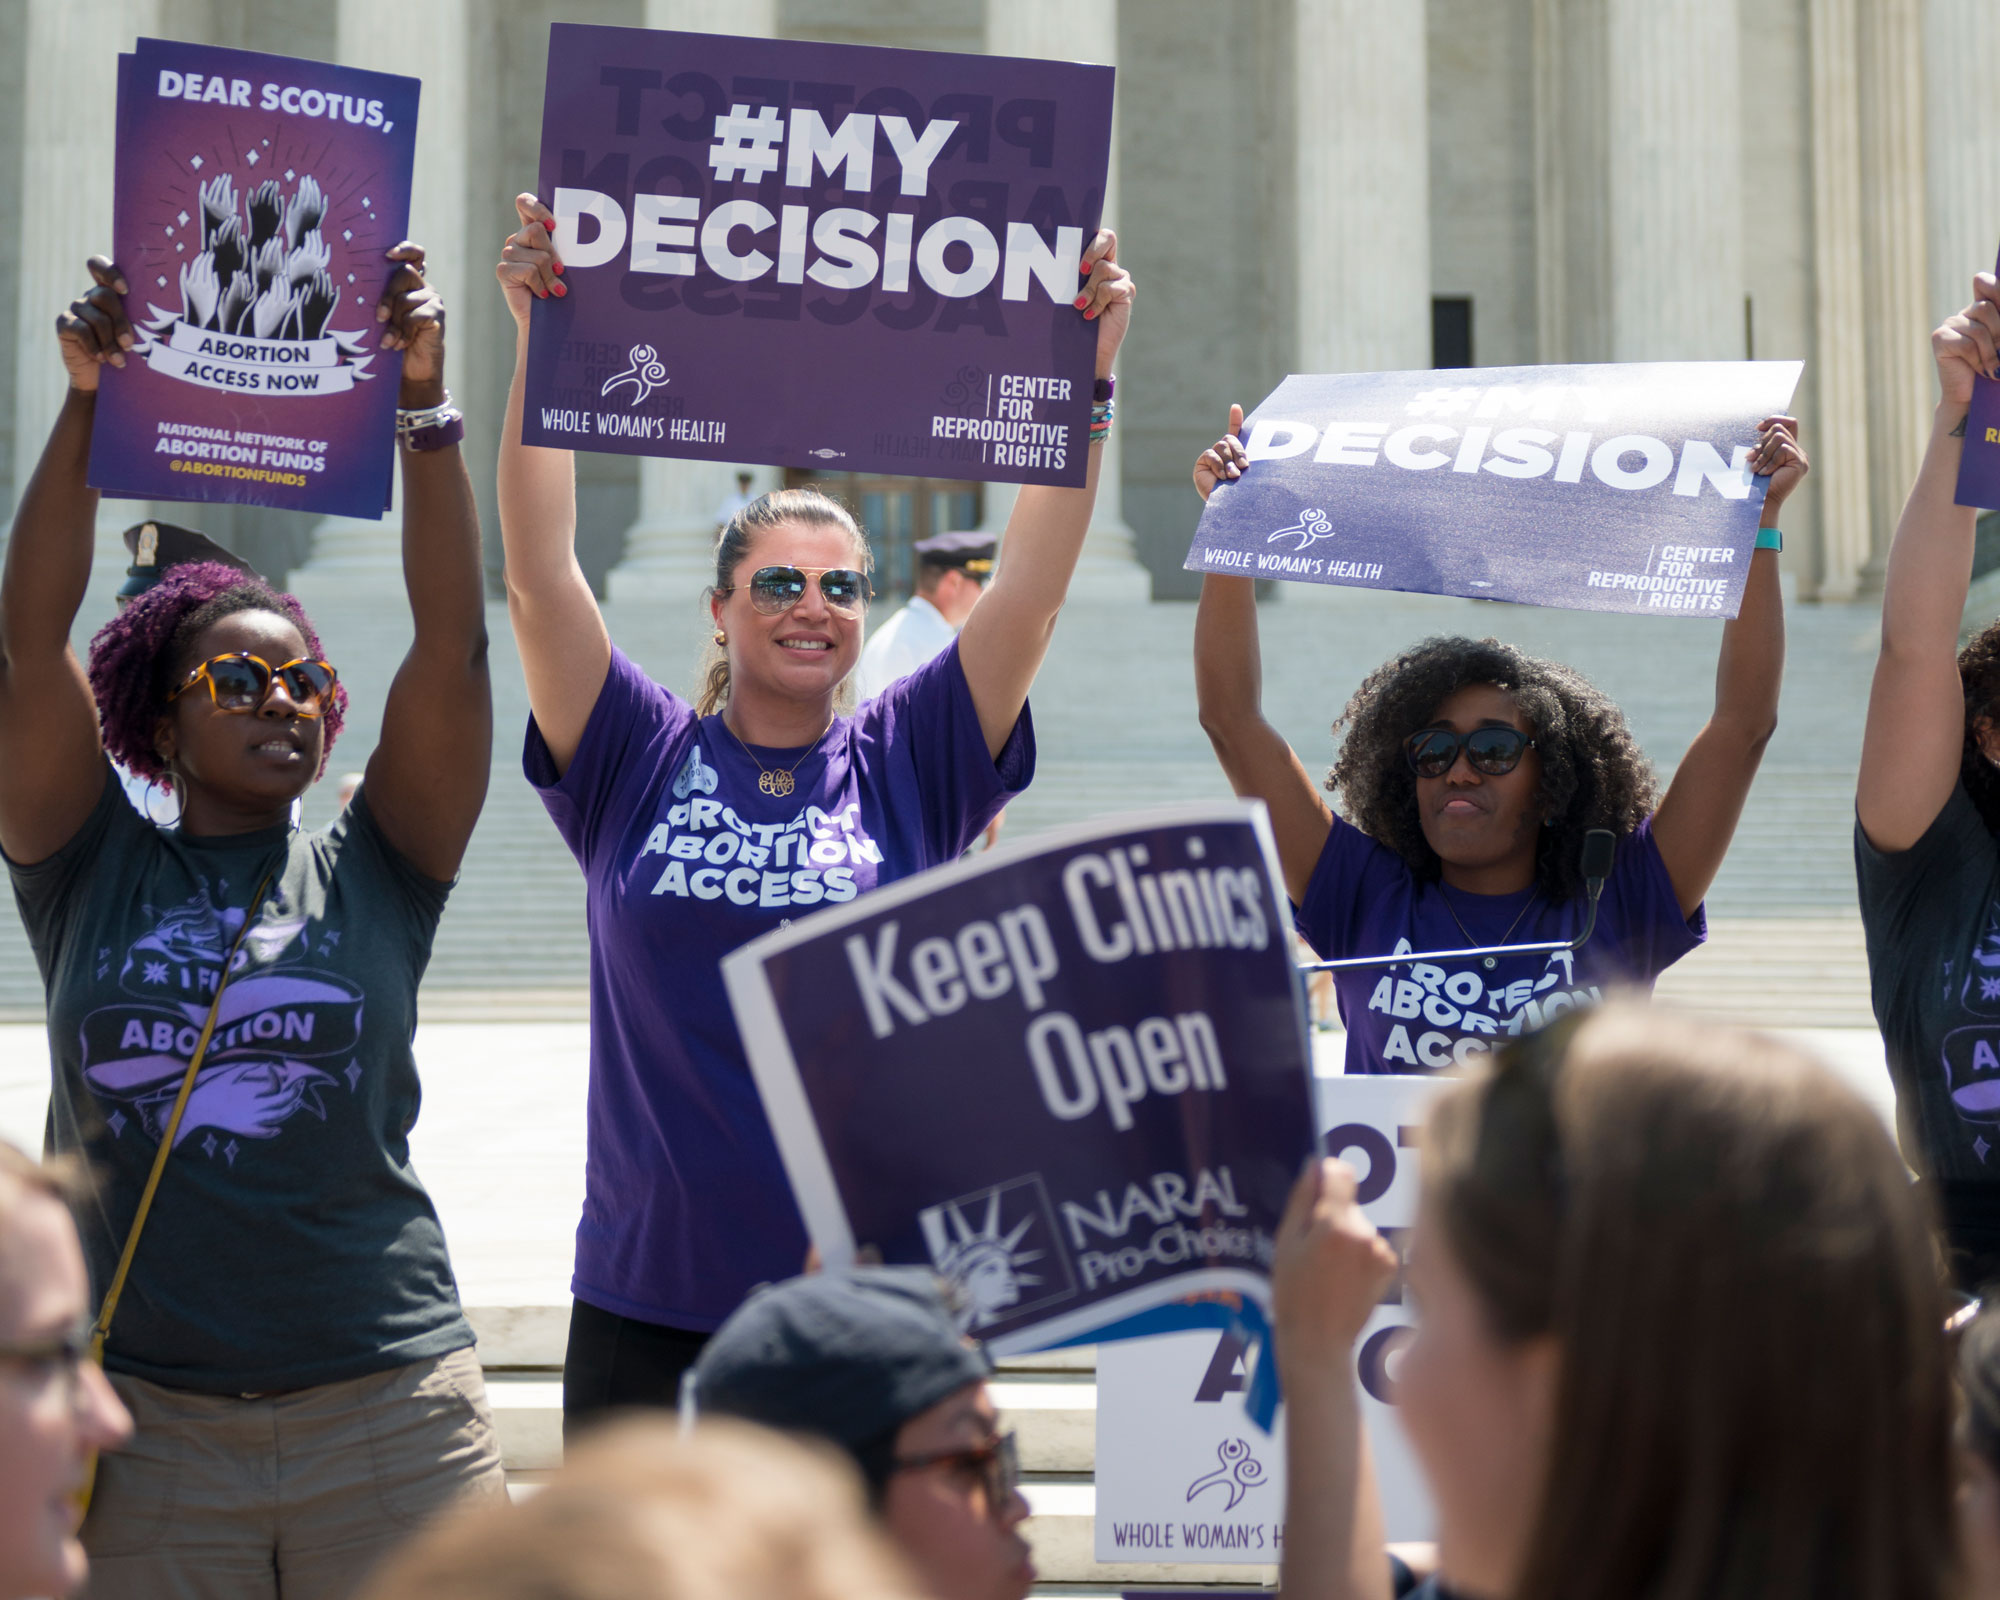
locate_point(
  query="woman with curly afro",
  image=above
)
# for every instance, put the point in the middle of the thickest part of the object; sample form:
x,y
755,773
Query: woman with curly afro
x,y
289,1338
1927,833
1467,778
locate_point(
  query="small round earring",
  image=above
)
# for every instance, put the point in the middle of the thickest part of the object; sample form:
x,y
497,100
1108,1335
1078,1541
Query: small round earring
x,y
720,637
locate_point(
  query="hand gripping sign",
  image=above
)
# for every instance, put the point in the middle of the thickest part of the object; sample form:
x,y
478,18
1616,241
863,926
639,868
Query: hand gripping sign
x,y
1599,488
1070,1075
255,198
815,255
1180,1479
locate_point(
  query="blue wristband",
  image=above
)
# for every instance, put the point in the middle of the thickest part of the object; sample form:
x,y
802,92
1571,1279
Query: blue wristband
x,y
1770,539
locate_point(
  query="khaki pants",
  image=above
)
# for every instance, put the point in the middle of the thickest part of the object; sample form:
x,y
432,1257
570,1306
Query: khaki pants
x,y
292,1495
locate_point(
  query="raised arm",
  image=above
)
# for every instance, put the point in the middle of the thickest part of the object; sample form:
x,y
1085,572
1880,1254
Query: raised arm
x,y
1915,733
51,763
565,648
1698,815
1330,1270
427,779
1004,640
1229,696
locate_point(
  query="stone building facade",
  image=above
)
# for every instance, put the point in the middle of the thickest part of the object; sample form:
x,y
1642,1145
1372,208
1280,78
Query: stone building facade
x,y
1303,185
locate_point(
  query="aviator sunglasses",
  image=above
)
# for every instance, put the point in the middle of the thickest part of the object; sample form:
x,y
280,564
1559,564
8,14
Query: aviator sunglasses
x,y
1492,751
240,682
776,589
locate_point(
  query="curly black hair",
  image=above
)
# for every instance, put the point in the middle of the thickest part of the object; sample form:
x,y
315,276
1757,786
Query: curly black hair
x,y
1594,775
1979,676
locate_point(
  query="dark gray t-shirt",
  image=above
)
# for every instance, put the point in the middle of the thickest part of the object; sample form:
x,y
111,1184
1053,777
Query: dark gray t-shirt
x,y
290,1243
1932,917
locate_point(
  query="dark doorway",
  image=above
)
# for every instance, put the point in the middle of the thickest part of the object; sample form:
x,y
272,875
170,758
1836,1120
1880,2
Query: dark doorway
x,y
1451,330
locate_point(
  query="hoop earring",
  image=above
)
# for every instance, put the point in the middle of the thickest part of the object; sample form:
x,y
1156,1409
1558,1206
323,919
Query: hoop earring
x,y
178,785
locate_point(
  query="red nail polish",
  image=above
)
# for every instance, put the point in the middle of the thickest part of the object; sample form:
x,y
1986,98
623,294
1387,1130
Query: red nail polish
x,y
1083,268
560,290
558,269
1082,300
1089,316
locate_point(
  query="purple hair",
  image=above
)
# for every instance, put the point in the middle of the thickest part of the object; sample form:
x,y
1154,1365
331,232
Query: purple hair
x,y
135,660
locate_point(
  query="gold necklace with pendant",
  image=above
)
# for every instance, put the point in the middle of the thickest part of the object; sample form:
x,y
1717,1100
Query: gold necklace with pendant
x,y
777,781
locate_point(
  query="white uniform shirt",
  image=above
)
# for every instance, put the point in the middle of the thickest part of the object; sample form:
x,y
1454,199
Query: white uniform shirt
x,y
901,645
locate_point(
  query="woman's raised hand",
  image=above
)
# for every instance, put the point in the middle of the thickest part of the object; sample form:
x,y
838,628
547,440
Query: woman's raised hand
x,y
1223,461
528,268
1106,297
1968,345
94,329
1330,1267
414,314
1780,457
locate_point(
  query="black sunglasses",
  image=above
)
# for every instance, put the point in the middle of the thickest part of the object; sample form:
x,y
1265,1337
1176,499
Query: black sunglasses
x,y
777,589
1493,751
994,1465
241,682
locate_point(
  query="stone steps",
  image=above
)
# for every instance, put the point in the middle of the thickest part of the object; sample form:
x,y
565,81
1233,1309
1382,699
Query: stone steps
x,y
1048,1400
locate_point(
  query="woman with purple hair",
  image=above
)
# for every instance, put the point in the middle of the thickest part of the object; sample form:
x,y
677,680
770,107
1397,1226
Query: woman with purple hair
x,y
288,1336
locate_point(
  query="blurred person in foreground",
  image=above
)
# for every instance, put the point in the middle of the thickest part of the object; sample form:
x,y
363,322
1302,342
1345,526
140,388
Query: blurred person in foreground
x,y
1680,1335
643,1512
56,1408
873,1360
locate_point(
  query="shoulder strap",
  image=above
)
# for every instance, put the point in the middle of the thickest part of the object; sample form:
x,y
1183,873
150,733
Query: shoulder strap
x,y
101,1328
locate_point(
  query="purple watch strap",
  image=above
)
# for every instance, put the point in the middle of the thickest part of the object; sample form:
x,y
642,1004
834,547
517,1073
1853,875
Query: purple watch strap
x,y
437,436
1102,389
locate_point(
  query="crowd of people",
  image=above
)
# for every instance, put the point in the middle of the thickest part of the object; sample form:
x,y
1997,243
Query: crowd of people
x,y
1687,1328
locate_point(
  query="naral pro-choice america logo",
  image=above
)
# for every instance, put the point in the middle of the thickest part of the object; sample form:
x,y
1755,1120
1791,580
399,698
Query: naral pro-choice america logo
x,y
258,295
999,1248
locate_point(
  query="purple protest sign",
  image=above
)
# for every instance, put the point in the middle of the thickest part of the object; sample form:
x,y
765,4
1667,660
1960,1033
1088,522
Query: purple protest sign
x,y
1071,1075
255,196
1600,488
817,255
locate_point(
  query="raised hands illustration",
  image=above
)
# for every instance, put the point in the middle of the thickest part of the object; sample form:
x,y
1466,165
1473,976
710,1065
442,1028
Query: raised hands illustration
x,y
201,291
306,212
218,206
267,212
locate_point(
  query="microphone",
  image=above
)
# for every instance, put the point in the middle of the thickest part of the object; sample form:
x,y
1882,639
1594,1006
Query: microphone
x,y
1600,845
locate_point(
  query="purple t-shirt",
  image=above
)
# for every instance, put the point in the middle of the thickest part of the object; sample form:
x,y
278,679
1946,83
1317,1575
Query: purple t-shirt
x,y
686,1207
1364,900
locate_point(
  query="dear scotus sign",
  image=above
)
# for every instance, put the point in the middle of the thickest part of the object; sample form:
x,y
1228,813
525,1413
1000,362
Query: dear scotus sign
x,y
1072,1076
818,255
255,198
1601,488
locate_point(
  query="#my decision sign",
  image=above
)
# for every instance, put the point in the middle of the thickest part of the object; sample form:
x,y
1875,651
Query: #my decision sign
x,y
1600,488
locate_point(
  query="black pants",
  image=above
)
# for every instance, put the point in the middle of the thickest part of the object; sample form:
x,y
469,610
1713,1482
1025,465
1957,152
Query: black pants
x,y
614,1363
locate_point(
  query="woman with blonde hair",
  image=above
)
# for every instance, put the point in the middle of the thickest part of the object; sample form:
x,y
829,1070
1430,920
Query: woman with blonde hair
x,y
643,1512
700,826
1679,1335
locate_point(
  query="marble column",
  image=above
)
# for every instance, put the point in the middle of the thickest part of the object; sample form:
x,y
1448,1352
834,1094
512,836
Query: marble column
x,y
1901,388
71,50
353,554
1840,370
1961,147
670,550
1675,148
1361,140
1363,151
1572,244
1077,30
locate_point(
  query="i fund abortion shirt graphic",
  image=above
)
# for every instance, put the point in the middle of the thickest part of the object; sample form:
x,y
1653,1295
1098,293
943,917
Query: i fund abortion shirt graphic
x,y
255,198
291,1242
282,1034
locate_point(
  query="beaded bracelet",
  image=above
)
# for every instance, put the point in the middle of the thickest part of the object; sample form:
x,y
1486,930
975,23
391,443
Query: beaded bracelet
x,y
1101,414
